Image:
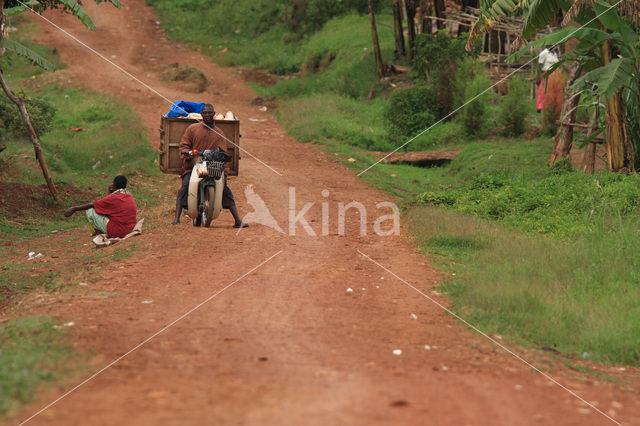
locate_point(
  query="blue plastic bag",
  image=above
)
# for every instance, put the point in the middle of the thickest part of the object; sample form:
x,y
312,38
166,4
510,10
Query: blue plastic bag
x,y
184,108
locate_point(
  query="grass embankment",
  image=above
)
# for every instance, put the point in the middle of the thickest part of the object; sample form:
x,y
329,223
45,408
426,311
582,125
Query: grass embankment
x,y
33,352
542,255
87,139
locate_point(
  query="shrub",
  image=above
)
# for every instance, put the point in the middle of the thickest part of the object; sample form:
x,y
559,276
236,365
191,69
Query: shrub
x,y
513,108
409,111
436,61
41,113
474,113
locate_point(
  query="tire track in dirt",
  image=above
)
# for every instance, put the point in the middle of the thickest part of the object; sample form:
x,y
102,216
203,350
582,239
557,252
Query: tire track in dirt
x,y
285,345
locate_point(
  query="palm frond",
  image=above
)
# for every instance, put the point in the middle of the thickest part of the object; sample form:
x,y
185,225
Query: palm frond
x,y
27,53
116,3
609,79
492,11
78,12
541,12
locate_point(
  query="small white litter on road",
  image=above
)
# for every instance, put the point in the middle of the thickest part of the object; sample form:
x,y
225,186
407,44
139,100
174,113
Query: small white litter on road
x,y
397,352
66,324
413,316
349,290
427,347
145,302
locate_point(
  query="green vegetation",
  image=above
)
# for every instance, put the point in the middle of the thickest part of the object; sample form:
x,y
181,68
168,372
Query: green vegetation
x,y
330,117
33,352
410,110
515,107
575,295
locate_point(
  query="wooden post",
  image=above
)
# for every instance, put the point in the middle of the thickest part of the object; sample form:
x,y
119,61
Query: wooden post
x,y
589,156
376,44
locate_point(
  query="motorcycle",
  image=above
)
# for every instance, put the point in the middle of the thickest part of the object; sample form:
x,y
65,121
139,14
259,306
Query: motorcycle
x,y
204,201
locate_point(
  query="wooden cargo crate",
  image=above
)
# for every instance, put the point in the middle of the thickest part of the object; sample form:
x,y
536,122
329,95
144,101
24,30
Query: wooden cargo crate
x,y
171,131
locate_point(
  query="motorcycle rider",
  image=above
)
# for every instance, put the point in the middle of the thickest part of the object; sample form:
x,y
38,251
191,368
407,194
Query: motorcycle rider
x,y
202,136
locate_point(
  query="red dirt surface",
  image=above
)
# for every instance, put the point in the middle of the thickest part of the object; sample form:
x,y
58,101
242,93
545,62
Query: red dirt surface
x,y
285,344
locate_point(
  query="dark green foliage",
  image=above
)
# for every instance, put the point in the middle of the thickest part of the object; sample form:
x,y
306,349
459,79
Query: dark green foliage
x,y
474,114
40,111
410,111
514,108
555,200
436,60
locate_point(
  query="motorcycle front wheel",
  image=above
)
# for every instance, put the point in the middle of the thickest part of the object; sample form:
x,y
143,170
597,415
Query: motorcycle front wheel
x,y
206,217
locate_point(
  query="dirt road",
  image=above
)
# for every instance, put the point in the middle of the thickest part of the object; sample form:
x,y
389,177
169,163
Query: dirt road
x,y
285,344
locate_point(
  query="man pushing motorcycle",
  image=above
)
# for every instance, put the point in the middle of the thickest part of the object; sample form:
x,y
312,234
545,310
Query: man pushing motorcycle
x,y
202,136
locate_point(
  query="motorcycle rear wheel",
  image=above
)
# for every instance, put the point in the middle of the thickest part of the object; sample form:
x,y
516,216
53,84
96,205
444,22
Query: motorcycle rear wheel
x,y
206,217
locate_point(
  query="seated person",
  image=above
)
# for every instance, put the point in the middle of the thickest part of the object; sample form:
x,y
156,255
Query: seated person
x,y
115,214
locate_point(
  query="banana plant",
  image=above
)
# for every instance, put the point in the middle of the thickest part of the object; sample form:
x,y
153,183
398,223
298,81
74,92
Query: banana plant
x,y
607,52
9,8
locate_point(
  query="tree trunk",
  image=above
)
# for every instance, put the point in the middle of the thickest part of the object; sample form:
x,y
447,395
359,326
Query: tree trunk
x,y
410,7
376,44
32,135
398,31
427,10
619,149
564,135
439,7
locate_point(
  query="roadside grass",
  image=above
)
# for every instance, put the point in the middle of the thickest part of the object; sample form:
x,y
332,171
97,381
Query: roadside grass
x,y
577,296
33,353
